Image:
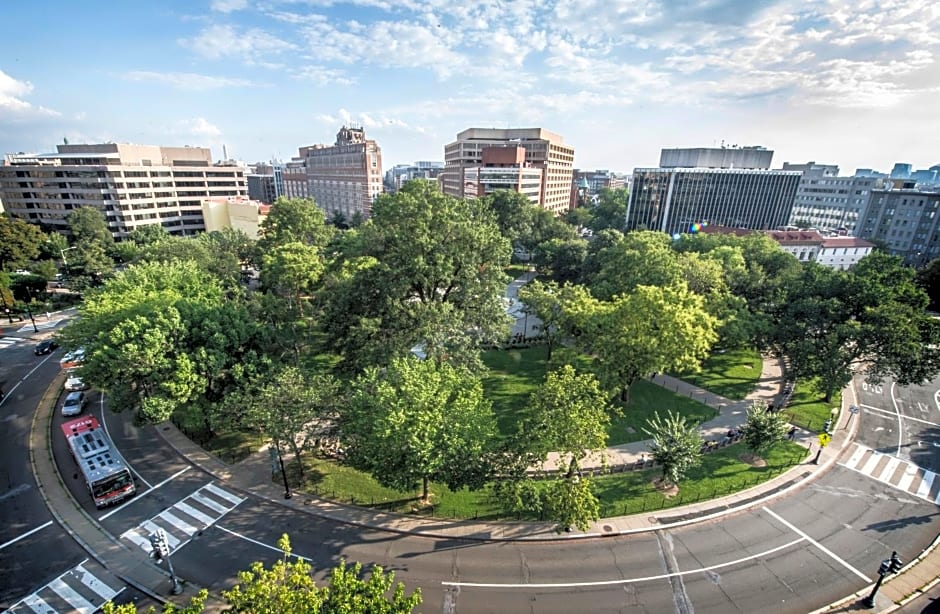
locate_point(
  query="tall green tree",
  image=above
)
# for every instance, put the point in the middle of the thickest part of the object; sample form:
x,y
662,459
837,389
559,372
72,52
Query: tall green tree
x,y
651,329
93,243
552,304
294,220
571,502
417,421
675,444
513,213
429,271
562,259
638,258
610,210
19,243
871,319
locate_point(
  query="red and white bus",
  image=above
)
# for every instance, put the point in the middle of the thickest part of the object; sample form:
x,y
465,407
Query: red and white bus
x,y
107,477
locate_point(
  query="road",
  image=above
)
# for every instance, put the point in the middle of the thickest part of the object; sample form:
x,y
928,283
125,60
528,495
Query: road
x,y
790,554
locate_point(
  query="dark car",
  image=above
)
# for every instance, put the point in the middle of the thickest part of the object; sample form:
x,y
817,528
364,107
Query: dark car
x,y
45,347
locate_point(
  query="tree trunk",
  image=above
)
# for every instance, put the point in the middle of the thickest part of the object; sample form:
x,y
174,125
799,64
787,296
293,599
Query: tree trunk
x,y
424,494
572,468
549,344
625,394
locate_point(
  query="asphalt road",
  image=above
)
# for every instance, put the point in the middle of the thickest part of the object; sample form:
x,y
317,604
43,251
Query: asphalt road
x,y
27,560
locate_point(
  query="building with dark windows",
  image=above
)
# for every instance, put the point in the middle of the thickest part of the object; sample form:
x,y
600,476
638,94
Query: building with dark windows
x,y
132,185
829,202
906,220
672,199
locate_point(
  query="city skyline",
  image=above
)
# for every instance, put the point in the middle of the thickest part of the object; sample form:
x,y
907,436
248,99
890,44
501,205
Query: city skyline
x,y
829,82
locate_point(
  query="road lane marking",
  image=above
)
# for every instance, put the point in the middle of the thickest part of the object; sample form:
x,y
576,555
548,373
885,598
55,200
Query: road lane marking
x,y
856,457
75,600
215,490
908,478
146,492
191,511
805,536
179,523
9,393
114,446
889,470
80,587
262,544
888,414
873,461
24,535
925,484
91,581
897,410
619,581
212,505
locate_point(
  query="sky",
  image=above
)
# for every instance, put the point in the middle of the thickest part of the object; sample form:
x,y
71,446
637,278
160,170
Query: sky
x,y
854,83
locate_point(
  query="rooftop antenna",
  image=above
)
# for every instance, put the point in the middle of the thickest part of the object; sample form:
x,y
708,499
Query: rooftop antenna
x,y
224,152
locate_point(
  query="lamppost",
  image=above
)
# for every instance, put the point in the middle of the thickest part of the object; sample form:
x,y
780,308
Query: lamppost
x,y
29,311
888,566
62,251
280,459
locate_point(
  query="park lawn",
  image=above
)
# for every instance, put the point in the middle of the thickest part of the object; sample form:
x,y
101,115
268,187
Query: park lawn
x,y
647,398
514,375
730,373
720,473
516,270
808,408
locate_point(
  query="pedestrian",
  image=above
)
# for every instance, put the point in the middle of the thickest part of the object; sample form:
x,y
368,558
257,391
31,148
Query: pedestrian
x,y
791,434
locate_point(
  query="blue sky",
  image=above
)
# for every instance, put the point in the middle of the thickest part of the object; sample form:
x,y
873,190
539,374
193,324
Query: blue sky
x,y
854,83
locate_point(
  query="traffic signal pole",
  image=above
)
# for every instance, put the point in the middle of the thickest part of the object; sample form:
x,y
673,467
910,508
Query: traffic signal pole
x,y
888,566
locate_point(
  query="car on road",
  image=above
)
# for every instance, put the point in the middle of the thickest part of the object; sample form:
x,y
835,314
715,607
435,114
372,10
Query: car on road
x,y
75,383
46,347
74,404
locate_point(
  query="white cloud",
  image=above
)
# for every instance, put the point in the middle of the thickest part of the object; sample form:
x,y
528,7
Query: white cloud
x,y
12,94
186,80
220,41
368,120
324,76
228,6
197,127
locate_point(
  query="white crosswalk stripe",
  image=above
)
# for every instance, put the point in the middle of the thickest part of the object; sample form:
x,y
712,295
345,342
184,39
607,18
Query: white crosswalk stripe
x,y
84,588
185,518
6,342
895,472
40,326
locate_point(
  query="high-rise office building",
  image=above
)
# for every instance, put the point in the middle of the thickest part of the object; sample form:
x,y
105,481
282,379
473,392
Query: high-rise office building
x,y
345,177
544,150
739,193
132,185
905,219
396,176
826,201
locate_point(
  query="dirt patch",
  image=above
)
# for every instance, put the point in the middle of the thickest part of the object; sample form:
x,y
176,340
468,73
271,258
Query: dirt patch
x,y
666,489
753,461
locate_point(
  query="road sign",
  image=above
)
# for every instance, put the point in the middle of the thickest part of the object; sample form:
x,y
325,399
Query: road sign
x,y
853,409
824,439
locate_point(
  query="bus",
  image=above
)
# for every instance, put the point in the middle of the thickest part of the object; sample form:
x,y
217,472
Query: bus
x,y
105,474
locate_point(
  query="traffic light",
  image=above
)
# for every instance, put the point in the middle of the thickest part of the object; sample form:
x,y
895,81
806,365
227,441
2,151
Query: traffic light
x,y
885,568
160,545
896,563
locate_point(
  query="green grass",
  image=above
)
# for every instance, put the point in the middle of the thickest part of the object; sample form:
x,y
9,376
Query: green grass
x,y
732,374
720,473
645,399
620,494
516,270
808,408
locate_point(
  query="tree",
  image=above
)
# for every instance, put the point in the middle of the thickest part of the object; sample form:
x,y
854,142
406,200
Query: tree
x,y
928,278
562,258
675,445
568,414
549,302
512,211
763,428
19,243
571,502
197,605
417,421
291,271
871,319
638,258
289,407
426,269
293,220
93,242
160,335
651,329
610,210
149,234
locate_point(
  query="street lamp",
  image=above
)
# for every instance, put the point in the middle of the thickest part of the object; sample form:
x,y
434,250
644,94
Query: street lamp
x,y
62,251
888,566
280,459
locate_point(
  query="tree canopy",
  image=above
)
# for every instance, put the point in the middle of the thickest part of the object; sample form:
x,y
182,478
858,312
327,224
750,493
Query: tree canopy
x,y
19,243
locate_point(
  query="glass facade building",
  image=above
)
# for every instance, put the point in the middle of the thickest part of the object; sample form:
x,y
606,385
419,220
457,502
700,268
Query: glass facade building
x,y
671,200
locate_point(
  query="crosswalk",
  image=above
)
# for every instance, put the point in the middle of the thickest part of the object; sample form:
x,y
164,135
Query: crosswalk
x,y
84,588
6,342
40,325
182,520
900,474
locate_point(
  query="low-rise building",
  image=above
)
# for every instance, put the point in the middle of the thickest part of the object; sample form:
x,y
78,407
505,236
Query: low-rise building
x,y
236,213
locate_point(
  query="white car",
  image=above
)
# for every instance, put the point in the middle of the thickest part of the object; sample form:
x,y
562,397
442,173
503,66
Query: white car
x,y
74,383
74,404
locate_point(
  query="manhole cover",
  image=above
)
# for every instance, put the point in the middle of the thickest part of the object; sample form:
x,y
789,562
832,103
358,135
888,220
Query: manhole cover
x,y
608,528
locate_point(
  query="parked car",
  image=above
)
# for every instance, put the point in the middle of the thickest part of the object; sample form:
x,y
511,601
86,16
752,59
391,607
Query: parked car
x,y
74,404
74,383
72,359
46,347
